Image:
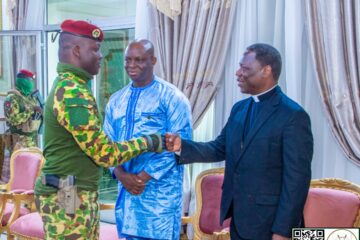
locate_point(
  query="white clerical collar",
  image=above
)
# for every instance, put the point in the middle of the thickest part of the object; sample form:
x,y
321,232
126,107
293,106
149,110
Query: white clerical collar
x,y
256,97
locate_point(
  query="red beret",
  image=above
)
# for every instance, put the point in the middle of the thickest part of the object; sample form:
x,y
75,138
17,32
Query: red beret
x,y
82,29
23,73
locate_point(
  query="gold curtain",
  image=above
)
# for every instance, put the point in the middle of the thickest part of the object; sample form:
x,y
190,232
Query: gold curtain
x,y
191,48
334,37
171,8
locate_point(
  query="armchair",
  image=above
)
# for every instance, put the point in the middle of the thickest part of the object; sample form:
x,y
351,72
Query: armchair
x,y
332,203
206,220
108,230
31,227
16,197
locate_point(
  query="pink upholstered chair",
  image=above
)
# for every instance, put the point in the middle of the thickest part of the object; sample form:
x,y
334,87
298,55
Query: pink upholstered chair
x,y
30,226
16,198
108,232
206,220
332,203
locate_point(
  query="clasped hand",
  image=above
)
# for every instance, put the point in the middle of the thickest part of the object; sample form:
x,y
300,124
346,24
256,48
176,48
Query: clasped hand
x,y
172,142
131,182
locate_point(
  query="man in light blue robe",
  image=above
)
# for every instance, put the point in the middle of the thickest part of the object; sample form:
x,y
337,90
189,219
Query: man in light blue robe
x,y
149,204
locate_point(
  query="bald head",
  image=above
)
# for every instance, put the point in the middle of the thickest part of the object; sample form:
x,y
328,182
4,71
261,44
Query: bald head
x,y
146,44
140,61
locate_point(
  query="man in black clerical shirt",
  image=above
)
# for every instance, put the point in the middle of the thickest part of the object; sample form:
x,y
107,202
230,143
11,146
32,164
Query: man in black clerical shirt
x,y
267,146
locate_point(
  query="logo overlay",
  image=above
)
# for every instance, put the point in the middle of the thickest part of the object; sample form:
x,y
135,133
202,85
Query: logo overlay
x,y
325,234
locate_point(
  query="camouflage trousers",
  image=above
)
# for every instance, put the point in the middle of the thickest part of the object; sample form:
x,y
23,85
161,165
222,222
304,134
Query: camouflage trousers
x,y
84,224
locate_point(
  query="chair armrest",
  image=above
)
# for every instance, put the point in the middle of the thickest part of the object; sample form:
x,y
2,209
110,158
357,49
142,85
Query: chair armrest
x,y
5,194
17,191
3,187
107,206
23,197
222,235
186,219
29,192
22,191
18,201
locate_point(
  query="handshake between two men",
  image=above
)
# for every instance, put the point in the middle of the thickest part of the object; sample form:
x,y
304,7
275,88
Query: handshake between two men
x,y
157,143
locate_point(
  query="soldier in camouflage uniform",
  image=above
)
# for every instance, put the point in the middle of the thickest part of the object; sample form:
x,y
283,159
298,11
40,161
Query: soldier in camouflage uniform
x,y
23,113
75,144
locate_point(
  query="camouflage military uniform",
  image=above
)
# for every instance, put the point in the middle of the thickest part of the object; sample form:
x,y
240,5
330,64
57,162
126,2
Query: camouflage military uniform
x,y
22,120
76,145
58,225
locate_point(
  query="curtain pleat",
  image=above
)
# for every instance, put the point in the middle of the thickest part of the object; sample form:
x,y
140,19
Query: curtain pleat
x,y
191,48
333,30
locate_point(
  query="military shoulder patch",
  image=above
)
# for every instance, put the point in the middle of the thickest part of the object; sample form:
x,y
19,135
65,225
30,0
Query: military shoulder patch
x,y
78,116
77,101
78,110
7,104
